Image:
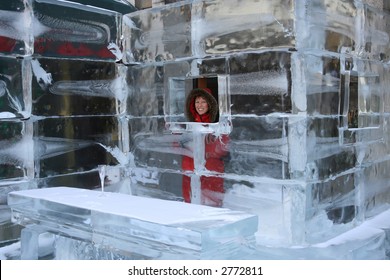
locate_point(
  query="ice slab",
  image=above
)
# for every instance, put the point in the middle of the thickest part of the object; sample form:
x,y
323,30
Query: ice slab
x,y
91,88
70,29
129,223
61,160
193,28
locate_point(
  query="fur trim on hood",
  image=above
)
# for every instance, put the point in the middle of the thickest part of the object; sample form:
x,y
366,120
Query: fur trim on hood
x,y
190,111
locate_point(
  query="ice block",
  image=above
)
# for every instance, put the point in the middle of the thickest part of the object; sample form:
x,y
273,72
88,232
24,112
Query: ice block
x,y
125,222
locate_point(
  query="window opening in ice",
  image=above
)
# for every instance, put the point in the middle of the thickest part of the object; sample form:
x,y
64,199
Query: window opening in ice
x,y
178,112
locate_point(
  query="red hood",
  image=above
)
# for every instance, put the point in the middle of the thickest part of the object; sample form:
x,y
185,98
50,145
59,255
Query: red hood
x,y
191,113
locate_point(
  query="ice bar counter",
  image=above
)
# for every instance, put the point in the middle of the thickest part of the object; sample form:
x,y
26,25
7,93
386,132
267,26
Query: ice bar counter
x,y
128,225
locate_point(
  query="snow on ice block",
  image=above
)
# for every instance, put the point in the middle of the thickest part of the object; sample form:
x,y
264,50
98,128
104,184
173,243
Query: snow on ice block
x,y
117,220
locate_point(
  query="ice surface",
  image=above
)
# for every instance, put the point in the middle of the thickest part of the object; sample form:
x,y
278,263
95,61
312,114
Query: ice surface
x,y
118,220
365,241
302,96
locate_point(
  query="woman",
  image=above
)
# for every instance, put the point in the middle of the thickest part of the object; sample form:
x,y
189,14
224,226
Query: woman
x,y
195,102
202,107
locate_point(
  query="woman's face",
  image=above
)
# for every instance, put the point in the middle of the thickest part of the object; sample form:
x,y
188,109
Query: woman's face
x,y
201,105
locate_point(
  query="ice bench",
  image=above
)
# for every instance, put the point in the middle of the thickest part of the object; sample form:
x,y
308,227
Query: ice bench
x,y
136,227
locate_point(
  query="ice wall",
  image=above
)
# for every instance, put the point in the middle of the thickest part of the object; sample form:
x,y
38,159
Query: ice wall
x,y
62,96
305,87
301,86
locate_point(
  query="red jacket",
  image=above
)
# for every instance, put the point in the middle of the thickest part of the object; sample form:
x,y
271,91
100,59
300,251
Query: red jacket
x,y
212,187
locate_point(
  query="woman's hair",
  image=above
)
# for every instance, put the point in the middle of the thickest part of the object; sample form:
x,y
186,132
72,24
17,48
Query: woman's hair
x,y
208,96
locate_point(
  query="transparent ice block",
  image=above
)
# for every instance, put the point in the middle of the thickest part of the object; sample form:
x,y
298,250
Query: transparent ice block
x,y
122,222
73,30
203,28
90,88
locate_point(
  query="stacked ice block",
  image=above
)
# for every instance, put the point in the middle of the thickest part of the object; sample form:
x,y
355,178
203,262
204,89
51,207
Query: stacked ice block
x,y
62,95
302,95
